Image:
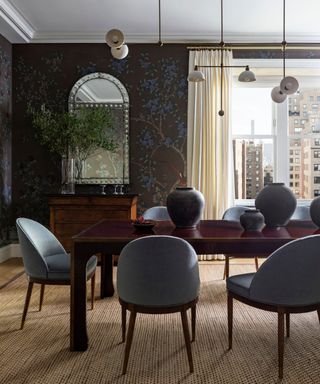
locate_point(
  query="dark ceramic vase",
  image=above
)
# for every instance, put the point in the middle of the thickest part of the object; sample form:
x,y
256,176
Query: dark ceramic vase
x,y
277,204
185,206
315,211
252,220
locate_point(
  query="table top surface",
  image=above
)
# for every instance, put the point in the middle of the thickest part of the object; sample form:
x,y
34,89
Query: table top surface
x,y
206,230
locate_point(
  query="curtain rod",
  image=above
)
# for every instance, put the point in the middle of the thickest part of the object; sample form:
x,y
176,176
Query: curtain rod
x,y
297,46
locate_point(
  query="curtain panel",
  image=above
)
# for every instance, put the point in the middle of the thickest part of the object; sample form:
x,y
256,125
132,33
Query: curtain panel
x,y
209,153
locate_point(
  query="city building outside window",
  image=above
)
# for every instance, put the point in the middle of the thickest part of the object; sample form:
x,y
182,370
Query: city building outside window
x,y
269,137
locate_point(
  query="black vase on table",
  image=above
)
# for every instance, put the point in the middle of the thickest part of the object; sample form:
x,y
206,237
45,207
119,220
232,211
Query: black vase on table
x,y
277,204
185,206
252,220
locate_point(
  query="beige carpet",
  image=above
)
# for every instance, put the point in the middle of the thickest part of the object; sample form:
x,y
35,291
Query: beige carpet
x,y
40,353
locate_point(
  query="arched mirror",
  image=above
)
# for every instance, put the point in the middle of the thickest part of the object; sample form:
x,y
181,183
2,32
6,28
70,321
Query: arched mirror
x,y
103,90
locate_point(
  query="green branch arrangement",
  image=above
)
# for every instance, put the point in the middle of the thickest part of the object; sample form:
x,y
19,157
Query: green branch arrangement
x,y
74,135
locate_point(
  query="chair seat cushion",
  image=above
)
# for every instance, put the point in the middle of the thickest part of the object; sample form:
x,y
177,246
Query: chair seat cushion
x,y
59,266
240,284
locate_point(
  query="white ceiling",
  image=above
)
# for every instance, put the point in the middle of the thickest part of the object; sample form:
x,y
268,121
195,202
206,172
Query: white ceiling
x,y
183,21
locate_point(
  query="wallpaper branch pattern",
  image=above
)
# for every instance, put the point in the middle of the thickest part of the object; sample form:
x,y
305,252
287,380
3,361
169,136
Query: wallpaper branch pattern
x,y
156,82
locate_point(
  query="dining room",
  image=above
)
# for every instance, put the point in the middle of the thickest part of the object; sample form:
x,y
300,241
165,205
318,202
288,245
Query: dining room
x,y
160,192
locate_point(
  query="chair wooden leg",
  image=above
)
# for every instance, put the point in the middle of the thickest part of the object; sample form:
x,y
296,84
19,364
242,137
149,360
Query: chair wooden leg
x,y
226,267
186,333
93,285
193,322
256,261
288,324
230,320
26,304
41,296
132,321
123,322
280,341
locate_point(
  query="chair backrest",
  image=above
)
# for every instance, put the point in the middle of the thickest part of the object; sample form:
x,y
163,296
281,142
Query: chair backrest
x,y
290,275
301,213
158,271
158,213
234,213
37,243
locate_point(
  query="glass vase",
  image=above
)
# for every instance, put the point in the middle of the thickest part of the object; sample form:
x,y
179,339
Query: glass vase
x,y
67,175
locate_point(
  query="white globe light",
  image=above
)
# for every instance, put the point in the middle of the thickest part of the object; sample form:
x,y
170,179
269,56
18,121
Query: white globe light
x,y
120,53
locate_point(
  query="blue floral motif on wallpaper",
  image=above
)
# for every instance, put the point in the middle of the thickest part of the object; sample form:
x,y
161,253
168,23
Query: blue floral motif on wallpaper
x,y
161,124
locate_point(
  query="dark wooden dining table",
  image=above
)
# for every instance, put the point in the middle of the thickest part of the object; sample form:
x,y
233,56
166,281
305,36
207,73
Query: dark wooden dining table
x,y
107,238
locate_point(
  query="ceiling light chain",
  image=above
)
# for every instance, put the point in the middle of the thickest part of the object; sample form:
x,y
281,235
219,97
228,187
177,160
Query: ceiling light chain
x,y
197,76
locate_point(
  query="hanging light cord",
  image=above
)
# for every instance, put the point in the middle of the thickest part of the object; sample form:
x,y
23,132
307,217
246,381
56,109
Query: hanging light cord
x,y
284,43
160,40
221,112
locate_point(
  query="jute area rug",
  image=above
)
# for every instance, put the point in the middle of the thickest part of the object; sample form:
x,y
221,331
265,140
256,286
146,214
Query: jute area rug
x,y
40,352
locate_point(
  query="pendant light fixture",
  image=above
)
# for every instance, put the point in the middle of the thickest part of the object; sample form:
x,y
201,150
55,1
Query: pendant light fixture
x,y
288,84
197,76
115,40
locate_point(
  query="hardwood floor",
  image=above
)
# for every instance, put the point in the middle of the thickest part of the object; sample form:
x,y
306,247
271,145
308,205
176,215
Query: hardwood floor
x,y
9,270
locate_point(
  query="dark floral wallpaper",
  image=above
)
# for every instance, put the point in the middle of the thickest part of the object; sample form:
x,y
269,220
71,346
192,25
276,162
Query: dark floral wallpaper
x,y
155,78
5,136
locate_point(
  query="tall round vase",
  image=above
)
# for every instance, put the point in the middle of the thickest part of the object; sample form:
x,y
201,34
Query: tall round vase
x,y
277,204
185,206
315,211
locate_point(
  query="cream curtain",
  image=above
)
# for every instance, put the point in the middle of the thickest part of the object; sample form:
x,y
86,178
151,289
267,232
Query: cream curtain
x,y
209,154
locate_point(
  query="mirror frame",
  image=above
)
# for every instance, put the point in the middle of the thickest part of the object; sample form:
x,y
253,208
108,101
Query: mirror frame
x,y
73,105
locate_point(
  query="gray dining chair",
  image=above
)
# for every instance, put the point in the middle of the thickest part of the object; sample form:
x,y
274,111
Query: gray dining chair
x,y
159,213
46,261
301,212
233,214
158,274
287,282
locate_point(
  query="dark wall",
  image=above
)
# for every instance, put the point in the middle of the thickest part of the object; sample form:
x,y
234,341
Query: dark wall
x,y
5,134
155,78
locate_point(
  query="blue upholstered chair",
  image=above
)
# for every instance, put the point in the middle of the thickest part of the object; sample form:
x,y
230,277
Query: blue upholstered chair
x,y
45,260
233,214
158,274
301,212
287,282
159,213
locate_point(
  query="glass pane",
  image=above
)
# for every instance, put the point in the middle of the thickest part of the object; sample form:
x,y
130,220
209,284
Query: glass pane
x,y
251,111
253,166
304,143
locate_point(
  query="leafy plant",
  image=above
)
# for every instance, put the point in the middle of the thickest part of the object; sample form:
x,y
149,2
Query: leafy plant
x,y
74,135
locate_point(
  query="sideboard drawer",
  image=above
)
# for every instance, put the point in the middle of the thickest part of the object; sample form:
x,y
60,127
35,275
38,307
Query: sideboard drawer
x,y
71,214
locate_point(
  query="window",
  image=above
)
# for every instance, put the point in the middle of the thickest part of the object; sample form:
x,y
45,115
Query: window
x,y
276,140
253,139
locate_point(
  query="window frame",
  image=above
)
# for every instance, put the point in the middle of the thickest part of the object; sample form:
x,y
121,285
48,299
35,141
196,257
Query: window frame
x,y
308,74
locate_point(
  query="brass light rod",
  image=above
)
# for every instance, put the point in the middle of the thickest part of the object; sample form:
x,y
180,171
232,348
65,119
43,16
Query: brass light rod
x,y
249,46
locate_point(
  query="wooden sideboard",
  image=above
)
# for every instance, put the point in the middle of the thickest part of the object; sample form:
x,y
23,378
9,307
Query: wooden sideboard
x,y
70,214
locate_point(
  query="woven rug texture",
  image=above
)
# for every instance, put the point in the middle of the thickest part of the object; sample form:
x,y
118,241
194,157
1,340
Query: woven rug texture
x,y
39,354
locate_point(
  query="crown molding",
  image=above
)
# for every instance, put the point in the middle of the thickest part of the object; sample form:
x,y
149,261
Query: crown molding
x,y
13,18
132,38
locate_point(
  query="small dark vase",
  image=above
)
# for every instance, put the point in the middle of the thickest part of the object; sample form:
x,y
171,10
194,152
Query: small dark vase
x,y
315,211
277,204
252,220
185,206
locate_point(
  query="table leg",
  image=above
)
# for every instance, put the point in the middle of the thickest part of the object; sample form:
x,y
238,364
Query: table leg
x,y
78,300
106,286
